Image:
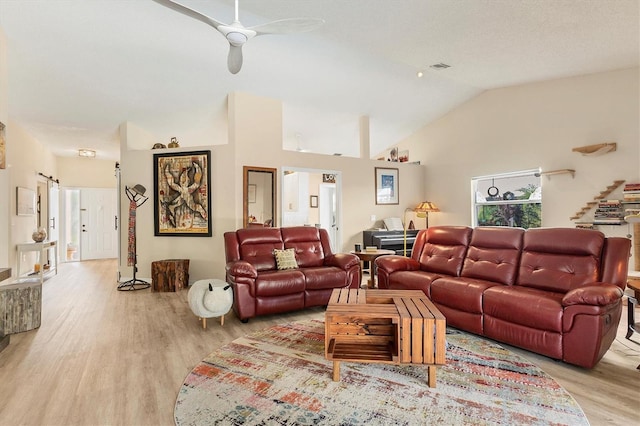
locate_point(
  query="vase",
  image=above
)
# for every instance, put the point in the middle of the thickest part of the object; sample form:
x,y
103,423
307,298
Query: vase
x,y
39,235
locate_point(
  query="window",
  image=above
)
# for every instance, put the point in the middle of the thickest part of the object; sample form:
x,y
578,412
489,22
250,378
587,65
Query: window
x,y
508,199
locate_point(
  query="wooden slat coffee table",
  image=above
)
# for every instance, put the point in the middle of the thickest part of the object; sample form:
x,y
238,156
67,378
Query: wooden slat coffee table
x,y
384,326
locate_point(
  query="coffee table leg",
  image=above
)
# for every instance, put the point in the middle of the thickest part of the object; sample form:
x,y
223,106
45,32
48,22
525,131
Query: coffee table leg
x,y
336,371
431,370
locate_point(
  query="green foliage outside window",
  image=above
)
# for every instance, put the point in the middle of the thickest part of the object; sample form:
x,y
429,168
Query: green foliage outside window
x,y
514,215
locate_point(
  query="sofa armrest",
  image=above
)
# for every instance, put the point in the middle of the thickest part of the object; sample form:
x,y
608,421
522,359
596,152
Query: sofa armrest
x,y
241,268
393,263
596,295
344,261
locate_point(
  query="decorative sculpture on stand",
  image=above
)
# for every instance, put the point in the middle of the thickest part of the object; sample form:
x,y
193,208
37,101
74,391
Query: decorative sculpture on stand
x,y
136,199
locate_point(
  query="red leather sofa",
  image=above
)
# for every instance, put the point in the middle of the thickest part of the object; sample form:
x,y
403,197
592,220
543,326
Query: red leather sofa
x,y
259,288
554,291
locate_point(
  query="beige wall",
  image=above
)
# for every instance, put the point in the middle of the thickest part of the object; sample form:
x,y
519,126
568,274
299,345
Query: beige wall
x,y
255,139
535,125
23,172
5,235
76,172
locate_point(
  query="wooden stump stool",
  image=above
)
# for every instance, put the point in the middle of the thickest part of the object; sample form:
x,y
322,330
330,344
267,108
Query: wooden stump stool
x,y
20,307
169,274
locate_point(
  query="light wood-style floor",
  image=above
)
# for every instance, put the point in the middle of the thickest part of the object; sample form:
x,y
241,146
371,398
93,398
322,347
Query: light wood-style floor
x,y
104,357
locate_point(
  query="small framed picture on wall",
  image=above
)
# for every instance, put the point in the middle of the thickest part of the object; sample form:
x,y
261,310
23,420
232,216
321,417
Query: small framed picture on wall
x,y
386,185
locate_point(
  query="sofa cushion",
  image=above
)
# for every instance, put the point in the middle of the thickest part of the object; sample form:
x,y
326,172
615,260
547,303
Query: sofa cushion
x,y
529,307
285,259
494,254
464,294
257,245
324,277
276,283
412,280
444,249
307,243
560,259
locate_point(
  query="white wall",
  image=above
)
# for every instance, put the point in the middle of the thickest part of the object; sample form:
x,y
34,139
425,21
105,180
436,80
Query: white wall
x,y
23,172
76,172
535,125
5,234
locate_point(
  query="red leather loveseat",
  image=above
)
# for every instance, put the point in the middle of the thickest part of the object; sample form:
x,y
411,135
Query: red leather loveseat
x,y
259,288
554,291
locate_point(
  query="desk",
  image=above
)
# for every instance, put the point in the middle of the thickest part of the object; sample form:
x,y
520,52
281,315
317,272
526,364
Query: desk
x,y
41,248
370,256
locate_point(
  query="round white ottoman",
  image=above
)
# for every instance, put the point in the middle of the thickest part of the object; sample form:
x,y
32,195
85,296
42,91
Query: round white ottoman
x,y
210,298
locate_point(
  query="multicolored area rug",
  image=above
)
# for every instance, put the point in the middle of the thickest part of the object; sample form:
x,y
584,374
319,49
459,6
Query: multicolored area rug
x,y
279,376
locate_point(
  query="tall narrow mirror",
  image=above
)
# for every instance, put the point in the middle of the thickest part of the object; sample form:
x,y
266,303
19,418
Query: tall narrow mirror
x,y
259,196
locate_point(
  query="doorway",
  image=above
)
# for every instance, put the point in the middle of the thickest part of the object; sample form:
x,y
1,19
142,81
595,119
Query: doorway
x,y
312,197
90,224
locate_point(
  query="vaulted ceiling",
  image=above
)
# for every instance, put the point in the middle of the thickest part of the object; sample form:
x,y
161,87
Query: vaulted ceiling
x,y
79,68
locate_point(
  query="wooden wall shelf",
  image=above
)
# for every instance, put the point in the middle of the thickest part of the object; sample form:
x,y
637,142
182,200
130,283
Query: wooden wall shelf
x,y
591,204
558,172
597,149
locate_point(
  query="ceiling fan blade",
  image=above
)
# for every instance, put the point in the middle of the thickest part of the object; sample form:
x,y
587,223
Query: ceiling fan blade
x,y
288,26
234,60
190,12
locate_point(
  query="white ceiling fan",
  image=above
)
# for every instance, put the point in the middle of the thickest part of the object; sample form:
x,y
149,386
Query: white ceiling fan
x,y
237,34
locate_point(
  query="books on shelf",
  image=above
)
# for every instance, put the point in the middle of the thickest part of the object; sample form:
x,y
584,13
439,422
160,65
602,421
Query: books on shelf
x,y
609,212
631,192
631,187
584,225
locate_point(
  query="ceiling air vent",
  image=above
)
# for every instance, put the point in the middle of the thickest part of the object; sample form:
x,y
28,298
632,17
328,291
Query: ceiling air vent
x,y
439,66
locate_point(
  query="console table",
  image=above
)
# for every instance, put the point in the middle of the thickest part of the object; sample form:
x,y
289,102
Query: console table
x,y
41,248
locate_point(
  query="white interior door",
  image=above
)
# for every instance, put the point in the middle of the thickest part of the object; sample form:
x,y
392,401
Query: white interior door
x,y
327,203
53,209
98,211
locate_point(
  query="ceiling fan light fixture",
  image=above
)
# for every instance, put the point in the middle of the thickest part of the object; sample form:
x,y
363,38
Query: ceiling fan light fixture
x,y
237,38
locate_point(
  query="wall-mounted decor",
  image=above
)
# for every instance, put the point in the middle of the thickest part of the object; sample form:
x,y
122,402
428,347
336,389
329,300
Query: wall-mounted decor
x,y
328,178
3,149
25,201
386,185
251,193
393,154
182,202
313,201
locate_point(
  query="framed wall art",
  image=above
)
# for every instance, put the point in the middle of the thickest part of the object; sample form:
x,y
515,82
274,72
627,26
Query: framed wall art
x,y
313,201
386,186
182,189
328,178
25,201
251,193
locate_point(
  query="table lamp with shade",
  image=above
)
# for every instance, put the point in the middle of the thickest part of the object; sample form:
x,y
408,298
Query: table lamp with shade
x,y
421,210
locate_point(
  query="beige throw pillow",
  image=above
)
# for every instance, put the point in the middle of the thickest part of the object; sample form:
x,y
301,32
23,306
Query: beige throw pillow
x,y
285,259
